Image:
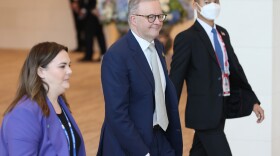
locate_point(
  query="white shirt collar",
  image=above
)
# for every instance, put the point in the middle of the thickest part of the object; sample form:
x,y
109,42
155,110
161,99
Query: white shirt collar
x,y
206,27
144,44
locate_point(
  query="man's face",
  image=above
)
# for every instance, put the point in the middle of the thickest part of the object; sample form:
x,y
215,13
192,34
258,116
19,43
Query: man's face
x,y
198,4
145,29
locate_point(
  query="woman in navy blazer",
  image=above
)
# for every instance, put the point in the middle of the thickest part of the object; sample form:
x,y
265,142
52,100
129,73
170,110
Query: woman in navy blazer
x,y
39,121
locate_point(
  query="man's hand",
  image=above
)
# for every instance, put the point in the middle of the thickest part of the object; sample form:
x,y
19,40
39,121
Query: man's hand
x,y
259,112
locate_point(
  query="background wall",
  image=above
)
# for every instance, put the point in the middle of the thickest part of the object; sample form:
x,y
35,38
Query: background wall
x,y
26,22
275,80
252,26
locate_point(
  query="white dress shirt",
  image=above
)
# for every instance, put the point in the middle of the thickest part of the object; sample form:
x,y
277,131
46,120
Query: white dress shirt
x,y
144,46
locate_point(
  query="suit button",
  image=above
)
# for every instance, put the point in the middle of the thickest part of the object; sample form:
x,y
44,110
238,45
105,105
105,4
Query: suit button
x,y
219,78
220,94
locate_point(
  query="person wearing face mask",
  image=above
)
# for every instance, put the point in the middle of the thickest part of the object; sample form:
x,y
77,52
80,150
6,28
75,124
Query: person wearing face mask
x,y
216,83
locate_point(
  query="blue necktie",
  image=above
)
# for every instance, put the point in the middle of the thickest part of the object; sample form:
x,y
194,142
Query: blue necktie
x,y
218,49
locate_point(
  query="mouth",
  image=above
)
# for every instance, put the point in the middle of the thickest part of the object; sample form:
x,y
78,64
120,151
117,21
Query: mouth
x,y
157,28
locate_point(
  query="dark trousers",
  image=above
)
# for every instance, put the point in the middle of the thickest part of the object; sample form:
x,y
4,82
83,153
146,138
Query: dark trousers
x,y
94,29
80,32
161,146
212,142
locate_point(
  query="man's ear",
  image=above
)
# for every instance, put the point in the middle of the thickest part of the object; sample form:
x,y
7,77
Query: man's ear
x,y
194,5
40,72
133,20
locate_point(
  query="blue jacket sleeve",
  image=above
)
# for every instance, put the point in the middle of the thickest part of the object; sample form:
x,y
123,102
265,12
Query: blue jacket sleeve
x,y
115,83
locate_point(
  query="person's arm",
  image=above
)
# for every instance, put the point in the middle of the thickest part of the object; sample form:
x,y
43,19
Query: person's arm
x,y
251,98
115,83
22,131
259,112
180,62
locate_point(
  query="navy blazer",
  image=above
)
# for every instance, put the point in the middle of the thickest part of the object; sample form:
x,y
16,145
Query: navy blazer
x,y
26,131
128,87
194,61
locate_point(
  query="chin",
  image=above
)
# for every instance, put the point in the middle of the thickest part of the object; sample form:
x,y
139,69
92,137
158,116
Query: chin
x,y
66,86
153,34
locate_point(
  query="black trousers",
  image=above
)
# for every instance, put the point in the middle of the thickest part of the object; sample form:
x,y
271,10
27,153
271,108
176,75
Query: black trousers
x,y
80,31
211,142
94,29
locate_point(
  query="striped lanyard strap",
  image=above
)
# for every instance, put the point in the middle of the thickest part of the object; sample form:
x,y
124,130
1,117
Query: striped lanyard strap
x,y
72,134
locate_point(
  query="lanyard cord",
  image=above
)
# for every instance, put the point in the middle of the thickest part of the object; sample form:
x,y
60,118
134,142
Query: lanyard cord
x,y
67,136
226,64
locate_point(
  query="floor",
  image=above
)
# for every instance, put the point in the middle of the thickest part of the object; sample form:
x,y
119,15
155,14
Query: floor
x,y
85,95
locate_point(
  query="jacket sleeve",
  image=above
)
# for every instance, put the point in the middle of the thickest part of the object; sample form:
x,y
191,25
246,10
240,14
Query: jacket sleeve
x,y
180,62
115,83
22,132
242,98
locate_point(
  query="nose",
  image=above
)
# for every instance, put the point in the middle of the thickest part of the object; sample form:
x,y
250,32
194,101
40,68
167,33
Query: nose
x,y
69,70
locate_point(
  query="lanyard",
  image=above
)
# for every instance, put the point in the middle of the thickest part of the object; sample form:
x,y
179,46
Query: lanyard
x,y
225,72
225,63
67,136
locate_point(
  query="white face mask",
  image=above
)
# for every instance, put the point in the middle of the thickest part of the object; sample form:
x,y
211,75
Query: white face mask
x,y
210,11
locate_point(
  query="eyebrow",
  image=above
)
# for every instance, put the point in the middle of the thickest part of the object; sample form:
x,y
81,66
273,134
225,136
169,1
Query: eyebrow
x,y
64,63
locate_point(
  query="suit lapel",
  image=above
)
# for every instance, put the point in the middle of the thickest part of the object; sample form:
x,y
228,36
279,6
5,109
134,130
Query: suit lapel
x,y
228,49
225,40
207,42
160,54
140,58
55,133
232,59
164,67
69,115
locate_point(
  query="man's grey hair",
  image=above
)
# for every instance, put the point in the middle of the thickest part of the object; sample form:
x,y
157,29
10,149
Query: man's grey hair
x,y
133,7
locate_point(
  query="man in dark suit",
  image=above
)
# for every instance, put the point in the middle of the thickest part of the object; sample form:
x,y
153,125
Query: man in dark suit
x,y
93,28
79,24
140,119
216,84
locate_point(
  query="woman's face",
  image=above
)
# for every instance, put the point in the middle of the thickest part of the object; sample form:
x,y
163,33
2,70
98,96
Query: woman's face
x,y
57,73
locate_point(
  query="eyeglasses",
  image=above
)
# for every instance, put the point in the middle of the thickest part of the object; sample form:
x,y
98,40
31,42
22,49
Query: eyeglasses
x,y
151,18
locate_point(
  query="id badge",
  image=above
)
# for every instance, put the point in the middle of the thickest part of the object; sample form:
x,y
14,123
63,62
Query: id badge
x,y
226,85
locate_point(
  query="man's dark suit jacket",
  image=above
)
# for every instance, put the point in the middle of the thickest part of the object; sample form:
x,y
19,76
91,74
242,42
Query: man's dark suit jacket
x,y
194,60
128,87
